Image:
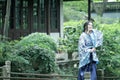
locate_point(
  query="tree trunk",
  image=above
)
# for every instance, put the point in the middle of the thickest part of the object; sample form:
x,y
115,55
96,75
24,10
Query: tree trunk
x,y
6,22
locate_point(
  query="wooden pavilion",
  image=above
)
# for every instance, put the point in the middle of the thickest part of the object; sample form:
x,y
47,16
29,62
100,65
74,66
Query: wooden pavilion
x,y
27,16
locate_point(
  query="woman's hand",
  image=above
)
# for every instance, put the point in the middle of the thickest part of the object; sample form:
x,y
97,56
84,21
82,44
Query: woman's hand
x,y
93,49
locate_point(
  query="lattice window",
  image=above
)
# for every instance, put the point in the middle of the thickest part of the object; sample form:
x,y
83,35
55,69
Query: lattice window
x,y
2,12
21,11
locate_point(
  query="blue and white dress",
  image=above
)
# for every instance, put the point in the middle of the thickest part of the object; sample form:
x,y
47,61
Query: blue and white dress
x,y
87,41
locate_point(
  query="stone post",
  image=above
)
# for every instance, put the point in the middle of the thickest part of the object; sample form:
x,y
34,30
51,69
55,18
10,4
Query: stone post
x,y
6,70
100,74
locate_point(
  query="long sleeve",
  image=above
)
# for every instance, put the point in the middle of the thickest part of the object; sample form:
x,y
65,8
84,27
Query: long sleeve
x,y
84,48
99,39
84,51
81,45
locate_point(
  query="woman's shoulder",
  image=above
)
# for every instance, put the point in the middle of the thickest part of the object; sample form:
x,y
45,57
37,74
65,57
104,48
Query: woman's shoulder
x,y
83,34
96,31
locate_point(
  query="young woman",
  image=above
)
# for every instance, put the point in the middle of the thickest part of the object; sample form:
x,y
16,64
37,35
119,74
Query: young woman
x,y
88,41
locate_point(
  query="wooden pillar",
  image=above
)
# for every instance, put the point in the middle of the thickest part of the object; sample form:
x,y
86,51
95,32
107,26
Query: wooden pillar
x,y
89,9
48,16
30,15
6,22
6,70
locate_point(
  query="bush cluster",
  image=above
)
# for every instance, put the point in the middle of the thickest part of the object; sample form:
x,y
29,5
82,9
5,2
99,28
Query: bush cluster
x,y
33,53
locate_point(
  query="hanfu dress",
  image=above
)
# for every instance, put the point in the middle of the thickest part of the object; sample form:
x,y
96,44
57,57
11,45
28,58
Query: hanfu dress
x,y
86,43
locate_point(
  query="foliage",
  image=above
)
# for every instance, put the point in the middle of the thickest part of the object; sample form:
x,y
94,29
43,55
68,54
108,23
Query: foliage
x,y
6,48
40,59
77,5
71,36
39,52
75,10
109,53
33,53
7,52
42,40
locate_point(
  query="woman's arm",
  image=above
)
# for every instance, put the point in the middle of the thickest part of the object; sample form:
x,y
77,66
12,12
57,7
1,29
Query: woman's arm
x,y
99,40
82,47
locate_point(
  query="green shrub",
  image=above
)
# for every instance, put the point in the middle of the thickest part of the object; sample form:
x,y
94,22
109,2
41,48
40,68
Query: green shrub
x,y
38,50
6,48
3,47
39,39
40,59
72,31
109,54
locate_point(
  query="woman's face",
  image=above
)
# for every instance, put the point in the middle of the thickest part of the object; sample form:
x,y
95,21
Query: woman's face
x,y
90,27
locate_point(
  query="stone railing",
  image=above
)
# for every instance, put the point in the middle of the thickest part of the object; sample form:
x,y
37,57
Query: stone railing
x,y
108,6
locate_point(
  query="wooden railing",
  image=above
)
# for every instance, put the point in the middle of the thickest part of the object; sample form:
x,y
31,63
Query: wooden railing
x,y
6,75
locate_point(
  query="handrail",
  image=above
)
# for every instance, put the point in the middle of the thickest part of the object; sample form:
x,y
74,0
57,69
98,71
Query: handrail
x,y
25,78
46,75
113,77
36,76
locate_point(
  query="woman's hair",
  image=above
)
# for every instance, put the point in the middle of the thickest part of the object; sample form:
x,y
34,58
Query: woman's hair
x,y
85,26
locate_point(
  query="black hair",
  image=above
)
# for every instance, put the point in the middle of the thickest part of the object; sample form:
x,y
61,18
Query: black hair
x,y
85,26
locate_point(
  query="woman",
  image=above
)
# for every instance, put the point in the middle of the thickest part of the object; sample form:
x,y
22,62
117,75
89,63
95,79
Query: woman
x,y
89,40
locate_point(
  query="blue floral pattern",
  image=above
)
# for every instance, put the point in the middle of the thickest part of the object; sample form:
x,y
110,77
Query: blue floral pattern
x,y
86,42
